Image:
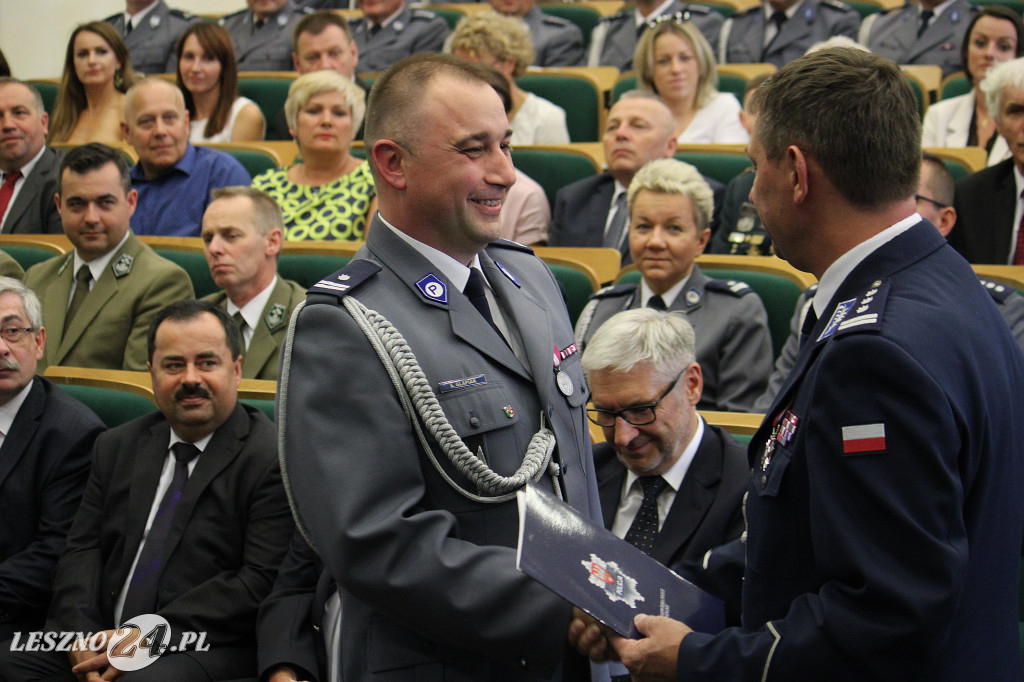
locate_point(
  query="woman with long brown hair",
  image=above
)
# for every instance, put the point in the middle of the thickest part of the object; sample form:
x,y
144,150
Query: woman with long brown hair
x,y
97,73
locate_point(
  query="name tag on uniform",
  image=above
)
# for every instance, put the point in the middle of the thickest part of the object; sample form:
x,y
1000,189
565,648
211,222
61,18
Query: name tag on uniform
x,y
456,384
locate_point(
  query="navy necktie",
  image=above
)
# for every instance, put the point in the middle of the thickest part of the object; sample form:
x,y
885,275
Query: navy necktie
x,y
644,529
657,303
476,294
142,590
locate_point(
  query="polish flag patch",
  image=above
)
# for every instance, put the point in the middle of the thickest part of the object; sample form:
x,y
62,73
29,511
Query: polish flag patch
x,y
863,438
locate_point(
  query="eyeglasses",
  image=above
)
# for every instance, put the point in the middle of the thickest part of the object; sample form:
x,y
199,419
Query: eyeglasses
x,y
934,203
15,334
638,415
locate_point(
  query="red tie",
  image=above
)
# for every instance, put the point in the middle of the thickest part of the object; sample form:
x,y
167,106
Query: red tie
x,y
1018,254
6,190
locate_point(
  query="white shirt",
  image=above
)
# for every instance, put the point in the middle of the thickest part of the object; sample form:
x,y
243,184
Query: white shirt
x,y
96,266
9,411
668,297
166,476
134,20
251,311
632,492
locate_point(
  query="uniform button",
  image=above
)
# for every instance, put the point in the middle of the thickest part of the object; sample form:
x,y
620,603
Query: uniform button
x,y
564,468
764,480
474,422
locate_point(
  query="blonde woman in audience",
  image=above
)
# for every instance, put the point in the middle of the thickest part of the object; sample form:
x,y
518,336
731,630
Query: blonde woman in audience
x,y
504,43
329,194
674,61
995,35
208,77
90,101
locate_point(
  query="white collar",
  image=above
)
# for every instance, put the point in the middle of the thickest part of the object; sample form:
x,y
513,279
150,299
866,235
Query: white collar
x,y
99,264
252,310
456,272
674,476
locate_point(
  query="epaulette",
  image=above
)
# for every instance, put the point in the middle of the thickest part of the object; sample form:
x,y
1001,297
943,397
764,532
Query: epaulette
x,y
232,15
836,5
509,244
342,282
860,314
555,21
614,290
621,15
113,17
734,287
181,14
697,9
424,14
891,10
998,291
748,11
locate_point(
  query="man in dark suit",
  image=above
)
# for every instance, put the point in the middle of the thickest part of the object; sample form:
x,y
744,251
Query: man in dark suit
x,y
645,384
589,212
28,168
428,576
885,511
988,203
242,233
45,438
184,516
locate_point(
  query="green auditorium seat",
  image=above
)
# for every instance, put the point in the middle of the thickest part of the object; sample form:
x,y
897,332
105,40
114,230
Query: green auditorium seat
x,y
581,98
553,167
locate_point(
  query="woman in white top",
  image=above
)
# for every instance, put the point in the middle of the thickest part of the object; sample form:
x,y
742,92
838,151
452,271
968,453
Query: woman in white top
x,y
504,43
208,77
673,60
995,35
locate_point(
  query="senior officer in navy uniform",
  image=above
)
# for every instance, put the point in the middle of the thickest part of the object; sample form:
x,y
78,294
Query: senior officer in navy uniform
x,y
262,34
670,209
390,31
924,32
614,39
779,31
885,511
419,536
151,29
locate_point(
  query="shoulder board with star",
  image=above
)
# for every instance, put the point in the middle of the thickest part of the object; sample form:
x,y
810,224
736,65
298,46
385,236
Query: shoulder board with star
x,y
233,15
342,282
509,244
181,14
859,314
697,9
552,20
614,290
734,287
997,290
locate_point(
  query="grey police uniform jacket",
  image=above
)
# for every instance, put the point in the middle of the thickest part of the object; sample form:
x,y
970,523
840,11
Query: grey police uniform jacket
x,y
742,39
151,43
425,573
556,41
893,34
269,47
412,31
734,347
614,38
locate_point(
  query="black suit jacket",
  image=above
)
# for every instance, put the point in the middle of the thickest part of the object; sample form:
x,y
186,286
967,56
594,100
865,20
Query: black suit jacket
x,y
34,210
985,205
44,462
706,511
228,536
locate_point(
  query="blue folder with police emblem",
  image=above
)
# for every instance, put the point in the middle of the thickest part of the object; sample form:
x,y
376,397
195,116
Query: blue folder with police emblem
x,y
602,574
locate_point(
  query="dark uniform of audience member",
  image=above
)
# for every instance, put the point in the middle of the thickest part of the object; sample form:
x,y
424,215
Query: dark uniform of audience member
x,y
556,41
184,517
614,39
670,209
779,31
885,509
242,235
391,30
45,439
429,576
262,34
988,203
151,29
28,168
923,32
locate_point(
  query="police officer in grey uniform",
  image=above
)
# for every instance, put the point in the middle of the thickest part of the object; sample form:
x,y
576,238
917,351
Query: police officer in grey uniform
x,y
779,31
557,41
155,28
734,347
920,33
263,39
614,38
390,30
